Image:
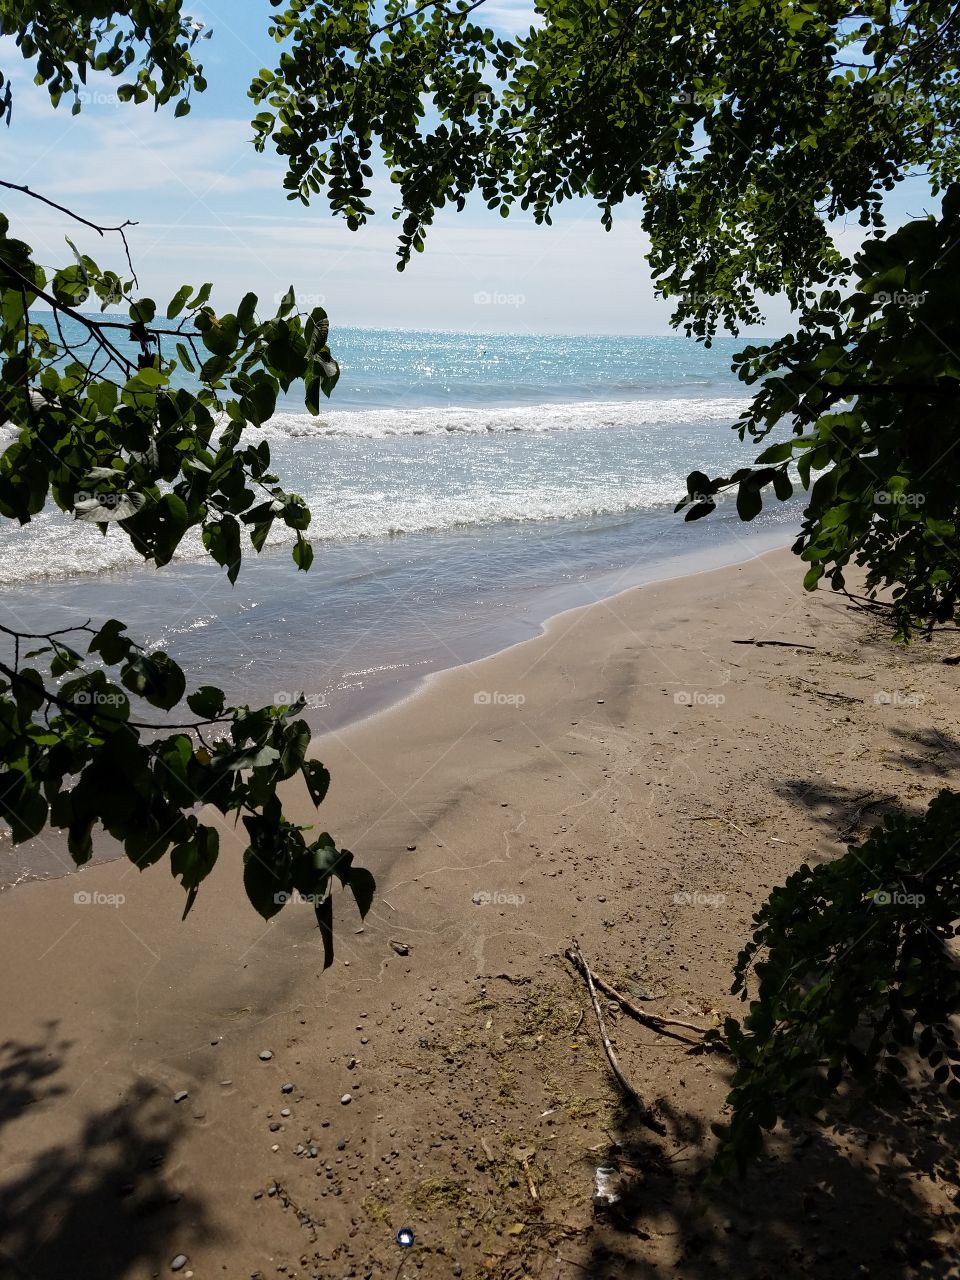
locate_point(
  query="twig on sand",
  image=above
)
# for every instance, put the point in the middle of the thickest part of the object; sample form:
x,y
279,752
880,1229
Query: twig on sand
x,y
781,644
577,958
822,693
652,1019
577,1027
715,817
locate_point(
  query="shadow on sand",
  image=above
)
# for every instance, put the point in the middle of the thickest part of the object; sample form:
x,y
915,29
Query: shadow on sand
x,y
95,1203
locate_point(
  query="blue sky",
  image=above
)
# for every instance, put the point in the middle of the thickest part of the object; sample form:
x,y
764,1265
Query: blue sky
x,y
210,208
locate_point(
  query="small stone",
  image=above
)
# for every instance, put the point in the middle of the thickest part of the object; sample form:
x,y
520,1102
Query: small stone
x,y
285,1112
286,1088
346,1100
179,1262
411,848
225,1083
182,1096
275,1127
265,1055
600,702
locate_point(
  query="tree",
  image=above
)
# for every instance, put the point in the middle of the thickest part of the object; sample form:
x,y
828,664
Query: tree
x,y
747,130
115,439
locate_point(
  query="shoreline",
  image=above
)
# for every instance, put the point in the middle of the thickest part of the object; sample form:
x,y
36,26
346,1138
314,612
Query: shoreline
x,y
411,684
600,807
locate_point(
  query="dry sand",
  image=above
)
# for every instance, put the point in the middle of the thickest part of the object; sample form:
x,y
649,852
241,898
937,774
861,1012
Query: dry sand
x,y
633,778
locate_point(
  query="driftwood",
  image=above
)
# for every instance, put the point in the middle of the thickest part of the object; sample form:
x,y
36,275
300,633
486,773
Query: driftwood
x,y
822,693
577,958
652,1019
780,644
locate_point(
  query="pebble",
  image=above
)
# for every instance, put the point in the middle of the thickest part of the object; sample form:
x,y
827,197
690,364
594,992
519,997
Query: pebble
x,y
286,1088
181,1096
265,1055
346,1099
179,1262
285,1112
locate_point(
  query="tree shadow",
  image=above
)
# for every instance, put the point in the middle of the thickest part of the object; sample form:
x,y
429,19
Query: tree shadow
x,y
836,1202
98,1204
870,1193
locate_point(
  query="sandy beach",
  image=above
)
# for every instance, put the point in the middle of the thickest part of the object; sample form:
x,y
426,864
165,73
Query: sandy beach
x,y
637,778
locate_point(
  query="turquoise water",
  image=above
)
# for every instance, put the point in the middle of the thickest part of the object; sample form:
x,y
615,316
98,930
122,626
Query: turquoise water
x,y
464,487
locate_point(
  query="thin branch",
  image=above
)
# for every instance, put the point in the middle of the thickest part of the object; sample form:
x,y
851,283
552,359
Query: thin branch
x,y
94,718
94,226
577,958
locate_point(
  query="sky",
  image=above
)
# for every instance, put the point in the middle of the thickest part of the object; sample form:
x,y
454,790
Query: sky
x,y
208,207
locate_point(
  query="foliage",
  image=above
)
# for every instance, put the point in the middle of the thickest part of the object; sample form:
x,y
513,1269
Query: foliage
x,y
151,38
150,446
743,127
857,979
870,387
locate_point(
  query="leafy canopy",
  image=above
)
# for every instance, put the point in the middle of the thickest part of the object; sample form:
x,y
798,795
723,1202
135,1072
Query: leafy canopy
x,y
97,730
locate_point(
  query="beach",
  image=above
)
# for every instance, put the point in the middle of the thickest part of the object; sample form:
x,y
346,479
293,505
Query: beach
x,y
637,777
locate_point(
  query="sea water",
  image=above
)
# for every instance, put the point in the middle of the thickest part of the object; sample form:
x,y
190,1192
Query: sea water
x,y
464,488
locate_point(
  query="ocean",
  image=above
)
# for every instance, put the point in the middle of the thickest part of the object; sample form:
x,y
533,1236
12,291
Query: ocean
x,y
464,488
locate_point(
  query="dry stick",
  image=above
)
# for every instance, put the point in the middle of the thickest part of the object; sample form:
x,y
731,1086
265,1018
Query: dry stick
x,y
823,693
578,959
715,817
782,644
654,1019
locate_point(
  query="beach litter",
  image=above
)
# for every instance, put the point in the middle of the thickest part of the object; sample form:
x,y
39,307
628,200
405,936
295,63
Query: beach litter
x,y
607,1188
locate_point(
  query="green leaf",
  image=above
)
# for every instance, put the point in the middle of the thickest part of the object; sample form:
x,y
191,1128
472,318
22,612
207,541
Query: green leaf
x,y
206,702
317,779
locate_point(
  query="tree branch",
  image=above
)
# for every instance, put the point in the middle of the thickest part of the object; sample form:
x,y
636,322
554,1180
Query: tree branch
x,y
94,226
